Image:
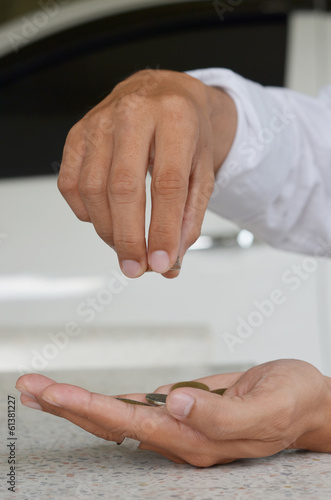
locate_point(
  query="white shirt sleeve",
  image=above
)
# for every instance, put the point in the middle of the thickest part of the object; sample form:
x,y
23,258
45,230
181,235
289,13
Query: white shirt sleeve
x,y
276,180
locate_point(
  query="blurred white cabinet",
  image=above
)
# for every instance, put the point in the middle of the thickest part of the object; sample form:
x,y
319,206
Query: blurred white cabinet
x,y
309,51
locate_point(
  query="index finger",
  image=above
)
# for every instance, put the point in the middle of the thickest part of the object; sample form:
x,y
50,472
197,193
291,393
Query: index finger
x,y
137,422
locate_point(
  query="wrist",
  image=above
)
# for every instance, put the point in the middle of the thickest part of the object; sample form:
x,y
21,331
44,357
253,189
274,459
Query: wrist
x,y
223,119
319,438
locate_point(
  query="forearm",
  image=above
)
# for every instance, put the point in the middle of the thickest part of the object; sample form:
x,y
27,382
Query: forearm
x,y
319,439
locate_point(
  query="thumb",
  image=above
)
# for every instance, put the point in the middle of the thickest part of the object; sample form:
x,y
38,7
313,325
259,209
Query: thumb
x,y
215,416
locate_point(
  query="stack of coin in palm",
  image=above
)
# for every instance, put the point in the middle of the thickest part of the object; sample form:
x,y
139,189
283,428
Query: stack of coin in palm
x,y
156,399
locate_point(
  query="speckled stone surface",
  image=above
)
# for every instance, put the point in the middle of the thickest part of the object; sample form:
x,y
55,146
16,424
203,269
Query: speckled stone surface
x,y
55,459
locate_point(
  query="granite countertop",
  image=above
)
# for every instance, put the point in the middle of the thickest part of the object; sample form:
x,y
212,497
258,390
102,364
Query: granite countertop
x,y
56,459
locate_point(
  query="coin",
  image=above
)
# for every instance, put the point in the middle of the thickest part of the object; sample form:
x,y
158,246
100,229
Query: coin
x,y
160,399
132,402
219,391
156,399
192,383
176,266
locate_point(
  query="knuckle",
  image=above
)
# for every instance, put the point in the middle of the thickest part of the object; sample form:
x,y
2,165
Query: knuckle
x,y
105,124
182,113
207,188
119,90
169,184
92,187
75,141
123,185
126,108
193,218
99,129
74,132
126,242
163,232
176,103
151,79
67,185
75,145
203,193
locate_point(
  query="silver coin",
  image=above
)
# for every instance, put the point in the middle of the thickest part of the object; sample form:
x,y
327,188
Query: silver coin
x,y
156,399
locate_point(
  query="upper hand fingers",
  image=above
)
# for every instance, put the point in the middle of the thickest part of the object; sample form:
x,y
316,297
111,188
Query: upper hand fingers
x,y
200,190
176,138
94,176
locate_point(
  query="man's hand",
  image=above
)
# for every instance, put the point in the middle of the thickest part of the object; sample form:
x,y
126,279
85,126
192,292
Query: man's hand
x,y
164,121
277,405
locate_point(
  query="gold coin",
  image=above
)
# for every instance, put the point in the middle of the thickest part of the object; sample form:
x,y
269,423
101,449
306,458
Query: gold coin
x,y
219,391
192,383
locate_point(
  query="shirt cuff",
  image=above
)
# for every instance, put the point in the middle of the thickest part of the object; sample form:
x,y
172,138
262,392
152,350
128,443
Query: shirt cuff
x,y
243,187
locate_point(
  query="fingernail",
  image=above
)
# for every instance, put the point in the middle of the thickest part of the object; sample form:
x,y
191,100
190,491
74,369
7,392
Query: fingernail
x,y
180,405
131,268
32,404
160,261
25,392
50,400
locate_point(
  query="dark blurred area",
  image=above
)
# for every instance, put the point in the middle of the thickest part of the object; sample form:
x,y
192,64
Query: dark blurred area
x,y
48,85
